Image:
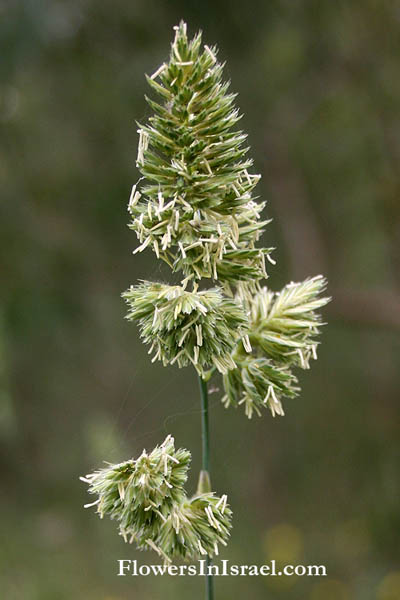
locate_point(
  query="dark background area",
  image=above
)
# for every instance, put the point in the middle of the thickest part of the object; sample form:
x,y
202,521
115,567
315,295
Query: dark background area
x,y
319,85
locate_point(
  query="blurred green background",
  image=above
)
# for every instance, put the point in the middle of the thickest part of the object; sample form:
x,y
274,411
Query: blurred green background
x,y
319,84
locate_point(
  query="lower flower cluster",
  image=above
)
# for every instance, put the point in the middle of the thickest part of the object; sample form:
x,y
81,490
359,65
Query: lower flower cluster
x,y
147,498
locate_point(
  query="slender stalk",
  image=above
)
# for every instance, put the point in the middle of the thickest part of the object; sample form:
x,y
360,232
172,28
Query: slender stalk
x,y
205,475
205,432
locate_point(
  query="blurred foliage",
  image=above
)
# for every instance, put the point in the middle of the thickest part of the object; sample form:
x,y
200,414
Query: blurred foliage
x,y
318,83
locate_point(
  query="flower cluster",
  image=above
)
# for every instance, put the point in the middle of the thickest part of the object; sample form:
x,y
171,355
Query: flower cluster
x,y
282,334
187,327
147,498
196,209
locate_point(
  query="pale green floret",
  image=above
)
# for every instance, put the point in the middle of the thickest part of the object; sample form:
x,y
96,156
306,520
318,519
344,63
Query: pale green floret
x,y
184,327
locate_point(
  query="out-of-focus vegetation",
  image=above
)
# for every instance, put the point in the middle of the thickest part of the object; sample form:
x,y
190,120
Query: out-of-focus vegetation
x,y
319,85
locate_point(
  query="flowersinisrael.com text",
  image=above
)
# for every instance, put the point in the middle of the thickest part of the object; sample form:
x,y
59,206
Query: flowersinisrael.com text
x,y
221,569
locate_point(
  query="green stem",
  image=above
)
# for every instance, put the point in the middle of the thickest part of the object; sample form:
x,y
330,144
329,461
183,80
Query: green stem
x,y
205,433
205,442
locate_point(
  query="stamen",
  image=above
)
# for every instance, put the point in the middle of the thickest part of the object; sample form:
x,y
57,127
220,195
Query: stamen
x,y
210,53
246,344
143,246
202,551
159,71
196,354
91,504
121,490
181,248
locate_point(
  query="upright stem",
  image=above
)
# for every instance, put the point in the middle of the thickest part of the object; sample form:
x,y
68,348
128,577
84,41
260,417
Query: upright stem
x,y
205,433
205,442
